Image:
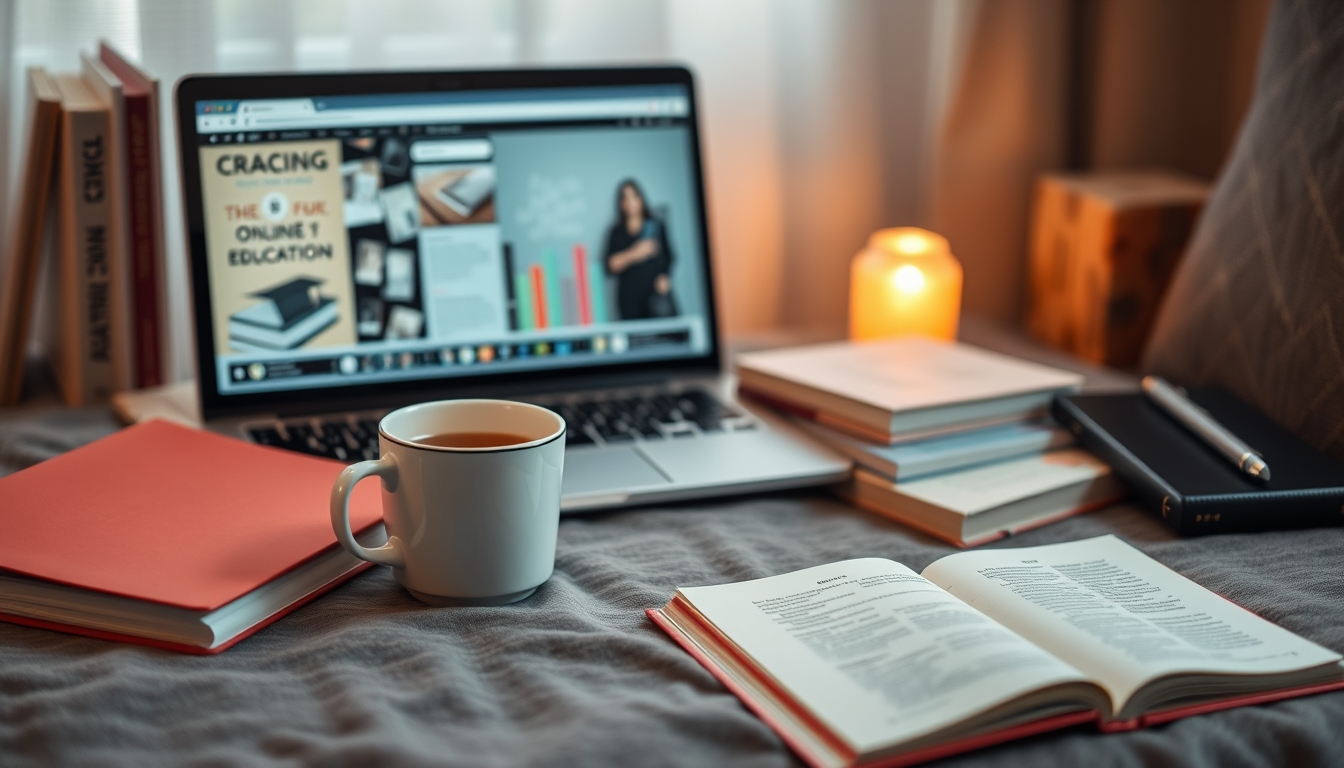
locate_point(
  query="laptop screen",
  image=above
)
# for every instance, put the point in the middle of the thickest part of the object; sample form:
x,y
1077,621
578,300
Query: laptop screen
x,y
367,239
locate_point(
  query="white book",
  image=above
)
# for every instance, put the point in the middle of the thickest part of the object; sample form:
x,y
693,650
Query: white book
x,y
865,662
944,453
981,504
881,390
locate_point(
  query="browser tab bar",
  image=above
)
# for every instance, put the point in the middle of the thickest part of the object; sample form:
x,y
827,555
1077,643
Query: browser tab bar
x,y
277,107
281,114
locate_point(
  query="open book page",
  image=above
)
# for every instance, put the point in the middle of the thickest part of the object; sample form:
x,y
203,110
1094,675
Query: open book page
x,y
875,651
1120,616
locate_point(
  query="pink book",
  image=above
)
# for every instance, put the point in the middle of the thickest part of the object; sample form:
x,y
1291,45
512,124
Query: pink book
x,y
866,662
168,536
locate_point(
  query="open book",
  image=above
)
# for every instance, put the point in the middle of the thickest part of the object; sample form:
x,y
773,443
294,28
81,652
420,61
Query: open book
x,y
866,661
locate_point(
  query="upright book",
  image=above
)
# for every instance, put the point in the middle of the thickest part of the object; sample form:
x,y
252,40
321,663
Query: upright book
x,y
83,360
865,662
1194,489
140,91
172,537
107,88
27,229
903,389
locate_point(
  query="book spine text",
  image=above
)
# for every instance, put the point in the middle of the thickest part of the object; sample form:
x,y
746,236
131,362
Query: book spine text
x,y
86,275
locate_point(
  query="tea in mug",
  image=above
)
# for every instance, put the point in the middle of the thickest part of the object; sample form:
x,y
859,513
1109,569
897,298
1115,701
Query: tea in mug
x,y
474,440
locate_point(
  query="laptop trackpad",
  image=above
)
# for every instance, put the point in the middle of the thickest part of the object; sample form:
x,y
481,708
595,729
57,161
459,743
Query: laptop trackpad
x,y
607,469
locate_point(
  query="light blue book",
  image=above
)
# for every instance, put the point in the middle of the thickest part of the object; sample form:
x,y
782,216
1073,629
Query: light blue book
x,y
945,453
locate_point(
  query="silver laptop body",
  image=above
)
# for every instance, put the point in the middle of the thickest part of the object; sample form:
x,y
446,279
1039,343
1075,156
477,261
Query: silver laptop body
x,y
368,240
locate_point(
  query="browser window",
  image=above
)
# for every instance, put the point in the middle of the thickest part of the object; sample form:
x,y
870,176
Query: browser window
x,y
361,239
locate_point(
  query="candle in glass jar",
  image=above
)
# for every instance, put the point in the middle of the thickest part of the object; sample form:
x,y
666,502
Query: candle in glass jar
x,y
905,283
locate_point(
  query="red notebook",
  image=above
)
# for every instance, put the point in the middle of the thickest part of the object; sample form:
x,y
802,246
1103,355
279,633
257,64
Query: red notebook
x,y
172,537
865,662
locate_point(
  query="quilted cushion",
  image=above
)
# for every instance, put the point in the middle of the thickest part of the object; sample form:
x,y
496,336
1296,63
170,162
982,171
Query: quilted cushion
x,y
1257,305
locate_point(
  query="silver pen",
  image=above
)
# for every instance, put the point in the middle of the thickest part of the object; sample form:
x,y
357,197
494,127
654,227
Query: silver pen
x,y
1198,420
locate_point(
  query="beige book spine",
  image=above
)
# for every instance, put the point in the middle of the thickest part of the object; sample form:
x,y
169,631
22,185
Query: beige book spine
x,y
107,88
84,366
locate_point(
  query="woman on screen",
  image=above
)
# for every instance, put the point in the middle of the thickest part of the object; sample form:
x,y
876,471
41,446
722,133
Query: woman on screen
x,y
638,256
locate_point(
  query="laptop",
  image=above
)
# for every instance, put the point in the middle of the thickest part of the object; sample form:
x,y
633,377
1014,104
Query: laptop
x,y
363,241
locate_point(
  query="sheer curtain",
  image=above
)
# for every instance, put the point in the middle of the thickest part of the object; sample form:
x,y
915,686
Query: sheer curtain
x,y
817,116
822,120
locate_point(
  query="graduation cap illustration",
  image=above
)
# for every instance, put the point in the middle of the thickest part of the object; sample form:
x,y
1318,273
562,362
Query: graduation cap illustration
x,y
286,316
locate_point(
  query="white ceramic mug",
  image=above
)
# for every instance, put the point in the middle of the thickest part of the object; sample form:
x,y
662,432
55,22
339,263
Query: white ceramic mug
x,y
465,526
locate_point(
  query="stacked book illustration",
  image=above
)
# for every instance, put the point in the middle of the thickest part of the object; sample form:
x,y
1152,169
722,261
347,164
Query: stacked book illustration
x,y
285,316
947,438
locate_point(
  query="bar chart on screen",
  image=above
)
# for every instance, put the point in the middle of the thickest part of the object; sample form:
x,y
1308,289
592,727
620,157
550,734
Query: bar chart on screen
x,y
549,291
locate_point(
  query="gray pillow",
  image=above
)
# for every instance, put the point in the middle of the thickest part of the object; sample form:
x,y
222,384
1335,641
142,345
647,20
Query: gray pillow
x,y
1257,305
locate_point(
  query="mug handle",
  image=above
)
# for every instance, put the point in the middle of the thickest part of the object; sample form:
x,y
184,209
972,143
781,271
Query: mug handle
x,y
385,468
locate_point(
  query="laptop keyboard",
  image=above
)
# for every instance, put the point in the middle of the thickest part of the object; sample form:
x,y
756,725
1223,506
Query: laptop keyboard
x,y
349,439
610,420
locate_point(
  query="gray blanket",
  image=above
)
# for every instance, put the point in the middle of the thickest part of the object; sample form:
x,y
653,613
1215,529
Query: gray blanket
x,y
576,675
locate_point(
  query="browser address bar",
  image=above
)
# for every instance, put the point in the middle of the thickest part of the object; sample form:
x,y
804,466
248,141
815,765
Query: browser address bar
x,y
450,113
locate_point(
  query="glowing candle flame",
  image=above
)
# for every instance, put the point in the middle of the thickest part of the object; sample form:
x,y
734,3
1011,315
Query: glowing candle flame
x,y
906,282
908,279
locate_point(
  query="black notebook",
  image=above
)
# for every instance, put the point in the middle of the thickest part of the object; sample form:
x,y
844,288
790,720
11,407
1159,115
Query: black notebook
x,y
1195,489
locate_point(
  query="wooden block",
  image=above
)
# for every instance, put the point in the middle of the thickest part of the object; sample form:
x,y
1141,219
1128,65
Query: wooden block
x,y
1103,248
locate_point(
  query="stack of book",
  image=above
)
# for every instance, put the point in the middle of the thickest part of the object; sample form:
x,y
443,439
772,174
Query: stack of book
x,y
91,171
947,438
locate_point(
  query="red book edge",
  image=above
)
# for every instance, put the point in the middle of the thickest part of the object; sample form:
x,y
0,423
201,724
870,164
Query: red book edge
x,y
909,758
792,408
719,674
852,428
1166,716
195,650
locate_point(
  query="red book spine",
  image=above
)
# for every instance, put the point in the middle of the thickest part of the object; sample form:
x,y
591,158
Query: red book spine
x,y
539,316
144,243
581,282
